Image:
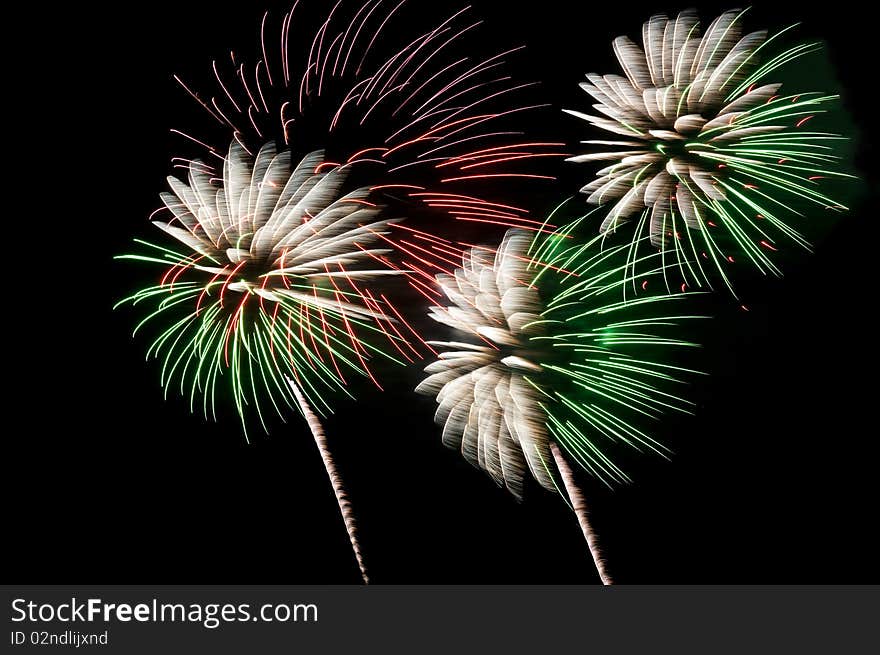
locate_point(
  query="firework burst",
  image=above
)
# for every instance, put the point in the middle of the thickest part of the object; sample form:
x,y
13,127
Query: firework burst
x,y
550,360
271,294
431,119
716,161
273,282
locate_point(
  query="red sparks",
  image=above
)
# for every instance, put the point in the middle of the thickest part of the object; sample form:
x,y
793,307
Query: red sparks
x,y
803,120
229,279
484,176
419,233
205,290
484,151
455,196
507,224
182,269
380,187
359,201
380,318
408,326
516,157
326,164
195,140
404,340
365,151
325,328
429,253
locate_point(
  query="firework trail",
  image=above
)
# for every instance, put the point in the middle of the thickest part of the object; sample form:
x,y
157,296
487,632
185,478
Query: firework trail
x,y
712,158
335,479
548,354
579,506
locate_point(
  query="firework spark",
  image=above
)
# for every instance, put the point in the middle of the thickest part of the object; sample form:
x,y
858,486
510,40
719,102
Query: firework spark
x,y
716,158
549,354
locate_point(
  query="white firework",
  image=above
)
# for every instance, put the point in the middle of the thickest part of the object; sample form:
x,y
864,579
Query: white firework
x,y
674,93
266,226
705,139
487,408
538,378
274,282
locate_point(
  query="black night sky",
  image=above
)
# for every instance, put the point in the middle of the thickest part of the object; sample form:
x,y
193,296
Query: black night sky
x,y
773,480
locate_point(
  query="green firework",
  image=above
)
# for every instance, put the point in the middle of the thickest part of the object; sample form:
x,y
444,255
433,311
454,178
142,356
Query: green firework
x,y
548,351
718,162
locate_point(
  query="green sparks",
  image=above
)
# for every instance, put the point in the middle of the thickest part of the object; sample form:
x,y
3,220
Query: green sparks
x,y
205,336
608,365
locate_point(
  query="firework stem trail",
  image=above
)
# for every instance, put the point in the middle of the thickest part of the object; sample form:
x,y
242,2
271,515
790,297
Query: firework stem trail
x,y
579,504
332,473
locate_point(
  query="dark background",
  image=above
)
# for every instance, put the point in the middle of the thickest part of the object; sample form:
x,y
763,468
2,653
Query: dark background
x,y
772,481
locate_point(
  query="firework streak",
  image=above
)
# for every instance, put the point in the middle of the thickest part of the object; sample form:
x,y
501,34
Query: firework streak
x,y
716,160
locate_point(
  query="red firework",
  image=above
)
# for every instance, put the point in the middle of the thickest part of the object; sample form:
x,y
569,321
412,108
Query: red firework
x,y
430,122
